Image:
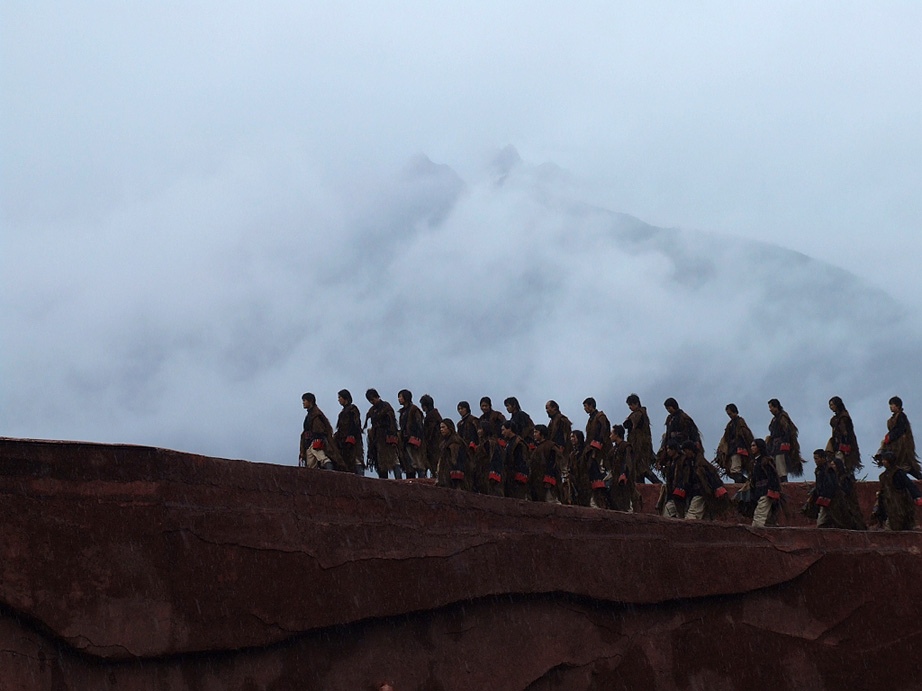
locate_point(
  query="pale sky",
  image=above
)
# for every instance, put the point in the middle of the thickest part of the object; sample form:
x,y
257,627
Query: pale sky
x,y
163,164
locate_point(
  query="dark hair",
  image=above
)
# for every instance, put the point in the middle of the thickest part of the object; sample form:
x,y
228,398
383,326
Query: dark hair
x,y
309,397
590,402
689,445
618,429
580,437
346,395
731,407
448,423
508,425
820,452
674,445
553,404
760,445
671,403
897,401
486,399
633,398
837,404
465,405
885,456
426,402
371,393
775,403
542,429
487,427
513,401
407,396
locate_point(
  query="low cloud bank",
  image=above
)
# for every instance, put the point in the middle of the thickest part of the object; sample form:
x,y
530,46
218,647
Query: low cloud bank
x,y
196,318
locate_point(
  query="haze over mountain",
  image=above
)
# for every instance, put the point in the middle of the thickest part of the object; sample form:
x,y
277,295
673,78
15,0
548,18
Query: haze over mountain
x,y
504,283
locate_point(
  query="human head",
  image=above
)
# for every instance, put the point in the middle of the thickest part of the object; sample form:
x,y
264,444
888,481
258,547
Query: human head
x,y
308,400
512,404
633,401
344,396
758,447
404,397
836,405
589,405
464,408
508,431
896,404
819,456
542,431
617,432
446,427
577,438
774,405
885,458
671,405
372,395
732,410
426,402
551,408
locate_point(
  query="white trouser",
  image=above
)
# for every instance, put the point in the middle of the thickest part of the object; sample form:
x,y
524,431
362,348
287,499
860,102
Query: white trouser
x,y
695,510
762,512
781,465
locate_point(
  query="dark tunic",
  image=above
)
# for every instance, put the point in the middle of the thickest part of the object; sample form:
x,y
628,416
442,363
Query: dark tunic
x,y
764,482
624,494
899,440
680,428
835,490
467,430
558,431
737,439
496,472
433,439
896,499
696,477
318,430
580,484
669,467
544,471
479,462
598,437
844,441
492,423
515,468
764,478
452,463
783,440
640,437
412,435
348,437
382,437
522,424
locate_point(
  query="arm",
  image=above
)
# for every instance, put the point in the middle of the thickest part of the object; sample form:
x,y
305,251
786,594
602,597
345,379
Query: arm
x,y
899,428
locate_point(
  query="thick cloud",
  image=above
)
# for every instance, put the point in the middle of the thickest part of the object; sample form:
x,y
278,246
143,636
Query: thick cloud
x,y
196,320
207,208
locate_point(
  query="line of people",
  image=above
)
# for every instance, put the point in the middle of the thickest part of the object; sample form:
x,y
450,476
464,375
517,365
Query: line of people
x,y
599,467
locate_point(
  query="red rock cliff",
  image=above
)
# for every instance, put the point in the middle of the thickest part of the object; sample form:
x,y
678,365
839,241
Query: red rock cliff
x,y
128,568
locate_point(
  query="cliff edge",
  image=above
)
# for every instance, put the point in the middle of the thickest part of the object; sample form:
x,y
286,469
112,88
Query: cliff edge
x,y
126,567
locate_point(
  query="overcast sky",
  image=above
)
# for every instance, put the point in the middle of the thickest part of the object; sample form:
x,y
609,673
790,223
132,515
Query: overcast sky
x,y
184,182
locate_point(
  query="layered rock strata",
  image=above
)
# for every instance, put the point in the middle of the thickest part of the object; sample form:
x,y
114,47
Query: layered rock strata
x,y
128,567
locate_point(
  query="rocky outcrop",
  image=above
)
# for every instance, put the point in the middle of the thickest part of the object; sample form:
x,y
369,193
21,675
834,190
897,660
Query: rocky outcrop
x,y
138,568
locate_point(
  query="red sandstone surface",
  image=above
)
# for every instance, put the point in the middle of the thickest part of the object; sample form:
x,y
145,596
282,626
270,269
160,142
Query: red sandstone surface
x,y
125,567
